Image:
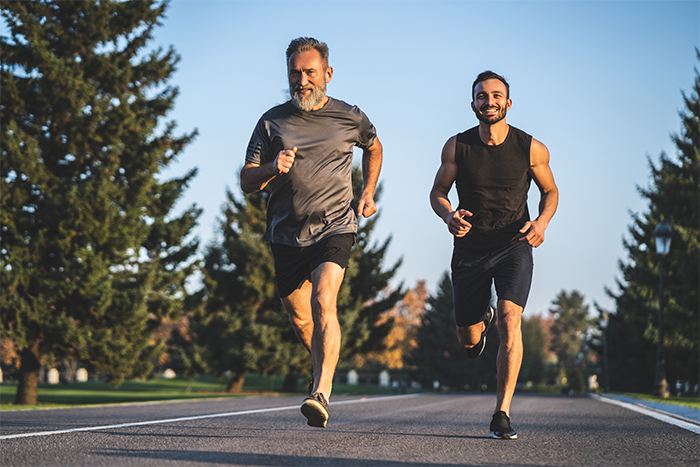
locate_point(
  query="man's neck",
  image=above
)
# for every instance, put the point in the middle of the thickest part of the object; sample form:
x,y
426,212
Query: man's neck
x,y
322,104
493,135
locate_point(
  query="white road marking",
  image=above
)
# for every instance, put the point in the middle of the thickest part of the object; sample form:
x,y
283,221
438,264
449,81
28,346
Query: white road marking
x,y
196,417
651,413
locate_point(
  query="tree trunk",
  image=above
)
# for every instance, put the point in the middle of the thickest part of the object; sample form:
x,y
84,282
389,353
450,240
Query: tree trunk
x,y
28,376
290,382
235,384
70,368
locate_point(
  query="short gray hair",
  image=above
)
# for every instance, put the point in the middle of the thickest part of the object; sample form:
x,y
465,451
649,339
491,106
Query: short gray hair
x,y
302,44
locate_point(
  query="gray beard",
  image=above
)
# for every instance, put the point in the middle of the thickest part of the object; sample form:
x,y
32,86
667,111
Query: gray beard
x,y
310,102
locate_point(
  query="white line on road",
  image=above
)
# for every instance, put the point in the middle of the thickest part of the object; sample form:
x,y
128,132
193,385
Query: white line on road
x,y
196,417
659,416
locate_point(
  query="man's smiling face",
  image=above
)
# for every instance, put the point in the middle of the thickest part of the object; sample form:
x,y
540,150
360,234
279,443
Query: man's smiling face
x,y
491,102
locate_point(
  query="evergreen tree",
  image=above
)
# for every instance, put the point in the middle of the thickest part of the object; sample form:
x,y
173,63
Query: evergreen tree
x,y
535,339
243,327
365,294
674,197
439,356
93,258
570,329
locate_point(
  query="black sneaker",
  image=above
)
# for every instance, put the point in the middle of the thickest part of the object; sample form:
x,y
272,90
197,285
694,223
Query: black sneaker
x,y
315,409
479,347
500,427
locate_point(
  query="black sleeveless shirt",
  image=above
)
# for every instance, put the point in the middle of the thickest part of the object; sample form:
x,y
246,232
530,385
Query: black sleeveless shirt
x,y
492,183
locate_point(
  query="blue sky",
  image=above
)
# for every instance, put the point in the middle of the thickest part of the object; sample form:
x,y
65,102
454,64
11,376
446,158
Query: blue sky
x,y
599,83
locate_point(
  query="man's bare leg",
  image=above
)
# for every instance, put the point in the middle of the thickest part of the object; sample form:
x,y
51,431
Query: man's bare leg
x,y
298,307
312,310
510,353
325,341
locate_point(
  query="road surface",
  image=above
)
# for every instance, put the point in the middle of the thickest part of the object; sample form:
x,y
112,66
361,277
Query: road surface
x,y
396,431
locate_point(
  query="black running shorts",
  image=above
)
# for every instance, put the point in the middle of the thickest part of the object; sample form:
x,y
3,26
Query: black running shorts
x,y
294,264
473,272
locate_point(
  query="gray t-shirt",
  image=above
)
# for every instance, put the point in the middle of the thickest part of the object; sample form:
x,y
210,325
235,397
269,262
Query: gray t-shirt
x,y
312,201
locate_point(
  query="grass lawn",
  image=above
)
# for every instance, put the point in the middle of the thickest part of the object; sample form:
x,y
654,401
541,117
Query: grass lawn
x,y
687,401
204,387
158,389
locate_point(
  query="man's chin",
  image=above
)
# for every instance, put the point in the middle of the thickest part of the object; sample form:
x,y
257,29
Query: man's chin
x,y
306,103
491,120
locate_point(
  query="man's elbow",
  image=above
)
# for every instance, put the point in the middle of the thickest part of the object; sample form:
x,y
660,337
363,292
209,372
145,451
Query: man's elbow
x,y
247,190
248,187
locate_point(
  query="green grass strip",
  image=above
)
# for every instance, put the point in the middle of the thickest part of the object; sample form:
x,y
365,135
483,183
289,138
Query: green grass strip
x,y
157,390
686,401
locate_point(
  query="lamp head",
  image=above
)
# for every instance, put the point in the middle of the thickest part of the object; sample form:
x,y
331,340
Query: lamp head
x,y
662,236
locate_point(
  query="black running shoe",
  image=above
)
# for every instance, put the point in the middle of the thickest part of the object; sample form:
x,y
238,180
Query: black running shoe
x,y
500,427
315,409
479,347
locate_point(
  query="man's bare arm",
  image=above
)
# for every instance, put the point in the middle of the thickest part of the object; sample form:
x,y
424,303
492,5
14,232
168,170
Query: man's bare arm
x,y
549,194
371,166
445,177
255,177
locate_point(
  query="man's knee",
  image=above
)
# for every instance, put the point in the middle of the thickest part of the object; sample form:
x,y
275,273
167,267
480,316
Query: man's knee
x,y
298,309
323,303
299,321
469,336
509,319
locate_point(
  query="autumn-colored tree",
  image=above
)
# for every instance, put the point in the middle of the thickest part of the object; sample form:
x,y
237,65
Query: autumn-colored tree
x,y
401,340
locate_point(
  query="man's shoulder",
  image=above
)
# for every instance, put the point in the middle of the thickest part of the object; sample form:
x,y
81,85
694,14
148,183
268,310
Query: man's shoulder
x,y
467,134
339,106
519,132
279,111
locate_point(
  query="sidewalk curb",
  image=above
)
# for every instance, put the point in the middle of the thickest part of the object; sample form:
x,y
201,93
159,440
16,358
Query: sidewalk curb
x,y
664,416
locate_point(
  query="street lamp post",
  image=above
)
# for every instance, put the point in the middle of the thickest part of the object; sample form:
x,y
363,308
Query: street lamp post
x,y
662,235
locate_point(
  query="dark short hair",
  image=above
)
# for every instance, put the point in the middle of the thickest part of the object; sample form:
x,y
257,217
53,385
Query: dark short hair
x,y
302,44
488,74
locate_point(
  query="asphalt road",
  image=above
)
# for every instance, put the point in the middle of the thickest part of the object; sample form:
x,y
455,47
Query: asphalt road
x,y
399,431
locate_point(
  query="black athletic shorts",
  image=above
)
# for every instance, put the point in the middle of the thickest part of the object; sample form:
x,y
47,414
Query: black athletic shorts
x,y
473,271
294,264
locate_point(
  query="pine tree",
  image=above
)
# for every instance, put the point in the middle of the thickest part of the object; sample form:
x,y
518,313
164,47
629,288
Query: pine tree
x,y
674,197
365,294
439,356
242,326
535,340
93,258
569,329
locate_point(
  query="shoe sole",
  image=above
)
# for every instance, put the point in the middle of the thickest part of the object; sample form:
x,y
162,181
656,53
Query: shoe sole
x,y
495,435
315,413
477,349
